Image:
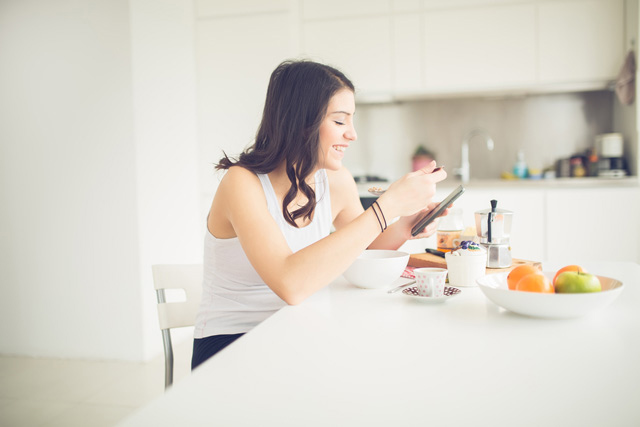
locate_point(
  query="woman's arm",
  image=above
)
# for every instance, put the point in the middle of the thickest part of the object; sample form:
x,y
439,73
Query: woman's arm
x,y
400,231
293,277
240,200
397,233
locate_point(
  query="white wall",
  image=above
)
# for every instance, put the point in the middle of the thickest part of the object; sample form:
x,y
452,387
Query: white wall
x,y
97,152
164,100
238,45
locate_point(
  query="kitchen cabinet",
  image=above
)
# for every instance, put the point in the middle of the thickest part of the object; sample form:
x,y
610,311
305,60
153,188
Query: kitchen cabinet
x,y
479,47
580,40
218,8
360,47
593,224
337,9
407,59
407,49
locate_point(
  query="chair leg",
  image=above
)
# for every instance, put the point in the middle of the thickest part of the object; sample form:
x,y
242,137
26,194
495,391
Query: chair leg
x,y
168,358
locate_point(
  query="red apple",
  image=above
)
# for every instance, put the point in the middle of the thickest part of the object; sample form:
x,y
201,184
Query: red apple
x,y
571,282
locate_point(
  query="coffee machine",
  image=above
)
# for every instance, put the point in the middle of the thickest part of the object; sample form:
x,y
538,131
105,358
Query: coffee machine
x,y
493,227
610,147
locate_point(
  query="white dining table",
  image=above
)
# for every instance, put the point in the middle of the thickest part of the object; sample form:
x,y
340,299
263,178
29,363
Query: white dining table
x,y
357,357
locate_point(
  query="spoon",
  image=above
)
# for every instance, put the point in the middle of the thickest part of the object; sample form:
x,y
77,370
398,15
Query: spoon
x,y
376,191
396,289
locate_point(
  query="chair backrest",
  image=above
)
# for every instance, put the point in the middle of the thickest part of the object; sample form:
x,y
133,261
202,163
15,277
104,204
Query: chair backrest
x,y
178,276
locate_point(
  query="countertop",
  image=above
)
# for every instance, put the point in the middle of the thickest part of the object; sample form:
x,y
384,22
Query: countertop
x,y
354,357
556,183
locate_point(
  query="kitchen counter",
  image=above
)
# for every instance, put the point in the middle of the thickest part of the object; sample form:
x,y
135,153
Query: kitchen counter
x,y
355,357
560,183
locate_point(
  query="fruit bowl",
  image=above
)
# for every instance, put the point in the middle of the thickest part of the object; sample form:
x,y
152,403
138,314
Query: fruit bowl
x,y
551,306
376,268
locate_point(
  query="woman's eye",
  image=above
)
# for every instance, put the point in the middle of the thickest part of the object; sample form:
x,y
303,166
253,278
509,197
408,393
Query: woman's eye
x,y
339,123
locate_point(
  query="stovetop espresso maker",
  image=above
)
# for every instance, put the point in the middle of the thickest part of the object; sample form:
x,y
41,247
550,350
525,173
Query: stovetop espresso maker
x,y
493,227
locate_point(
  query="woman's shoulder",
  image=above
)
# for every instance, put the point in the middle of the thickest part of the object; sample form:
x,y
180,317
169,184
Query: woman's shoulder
x,y
239,173
238,177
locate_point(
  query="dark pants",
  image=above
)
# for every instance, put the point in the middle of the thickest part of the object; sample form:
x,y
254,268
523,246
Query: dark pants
x,y
204,348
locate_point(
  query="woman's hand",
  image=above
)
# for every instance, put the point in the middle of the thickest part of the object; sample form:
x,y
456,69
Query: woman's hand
x,y
410,194
408,222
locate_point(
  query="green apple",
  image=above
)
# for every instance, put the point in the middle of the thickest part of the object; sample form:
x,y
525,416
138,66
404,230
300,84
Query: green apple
x,y
571,282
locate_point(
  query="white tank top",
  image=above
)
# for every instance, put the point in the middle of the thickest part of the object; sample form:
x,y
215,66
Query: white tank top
x,y
234,297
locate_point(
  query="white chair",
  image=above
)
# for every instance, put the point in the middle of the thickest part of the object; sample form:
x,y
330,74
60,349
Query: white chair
x,y
176,314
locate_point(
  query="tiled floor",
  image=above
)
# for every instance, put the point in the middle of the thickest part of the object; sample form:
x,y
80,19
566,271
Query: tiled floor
x,y
54,392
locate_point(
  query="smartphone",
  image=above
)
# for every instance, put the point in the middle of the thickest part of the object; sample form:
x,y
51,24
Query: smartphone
x,y
437,211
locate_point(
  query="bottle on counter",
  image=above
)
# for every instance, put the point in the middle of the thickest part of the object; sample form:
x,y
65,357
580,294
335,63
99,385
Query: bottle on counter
x,y
450,228
520,169
577,167
563,168
592,162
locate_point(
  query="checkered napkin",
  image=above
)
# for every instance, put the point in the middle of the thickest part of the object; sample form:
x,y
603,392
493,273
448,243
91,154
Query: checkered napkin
x,y
408,272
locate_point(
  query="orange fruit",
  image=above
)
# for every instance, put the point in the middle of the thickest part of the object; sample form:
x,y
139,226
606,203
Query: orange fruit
x,y
535,283
518,273
568,268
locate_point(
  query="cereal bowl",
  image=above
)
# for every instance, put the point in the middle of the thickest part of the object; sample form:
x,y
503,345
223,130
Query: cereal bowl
x,y
551,306
376,268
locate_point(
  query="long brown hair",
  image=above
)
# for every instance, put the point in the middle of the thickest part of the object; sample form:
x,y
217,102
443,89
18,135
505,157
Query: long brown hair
x,y
297,100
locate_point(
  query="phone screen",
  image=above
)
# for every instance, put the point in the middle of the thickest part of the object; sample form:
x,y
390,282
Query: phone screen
x,y
437,211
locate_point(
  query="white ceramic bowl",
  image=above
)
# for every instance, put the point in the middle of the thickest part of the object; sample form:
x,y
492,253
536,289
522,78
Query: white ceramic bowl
x,y
552,306
376,268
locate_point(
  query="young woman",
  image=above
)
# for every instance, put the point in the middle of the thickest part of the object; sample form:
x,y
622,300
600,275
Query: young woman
x,y
268,242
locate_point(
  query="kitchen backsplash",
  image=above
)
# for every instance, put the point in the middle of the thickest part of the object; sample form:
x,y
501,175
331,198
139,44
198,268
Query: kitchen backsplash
x,y
544,127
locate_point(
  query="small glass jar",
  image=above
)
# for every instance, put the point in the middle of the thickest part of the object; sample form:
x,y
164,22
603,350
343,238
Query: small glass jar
x,y
450,228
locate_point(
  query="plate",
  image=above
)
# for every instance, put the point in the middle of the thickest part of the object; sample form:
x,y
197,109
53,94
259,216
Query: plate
x,y
550,306
449,292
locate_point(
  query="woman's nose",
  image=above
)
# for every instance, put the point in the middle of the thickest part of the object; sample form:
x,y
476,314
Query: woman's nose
x,y
351,134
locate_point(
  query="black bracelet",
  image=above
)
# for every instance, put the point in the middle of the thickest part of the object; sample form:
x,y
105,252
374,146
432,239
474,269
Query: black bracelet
x,y
379,222
375,202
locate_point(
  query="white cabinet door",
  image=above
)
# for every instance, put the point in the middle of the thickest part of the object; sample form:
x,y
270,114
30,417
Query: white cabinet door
x,y
593,224
580,40
331,9
210,8
479,48
407,53
361,48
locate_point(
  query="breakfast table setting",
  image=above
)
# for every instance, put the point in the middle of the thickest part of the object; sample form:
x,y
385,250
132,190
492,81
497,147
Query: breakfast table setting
x,y
357,356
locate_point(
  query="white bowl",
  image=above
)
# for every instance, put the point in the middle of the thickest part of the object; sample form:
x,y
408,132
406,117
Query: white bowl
x,y
376,268
552,306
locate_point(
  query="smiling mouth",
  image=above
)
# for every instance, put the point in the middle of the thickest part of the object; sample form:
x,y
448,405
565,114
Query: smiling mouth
x,y
340,148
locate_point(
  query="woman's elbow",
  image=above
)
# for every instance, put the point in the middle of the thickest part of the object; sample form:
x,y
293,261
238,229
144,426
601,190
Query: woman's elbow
x,y
290,294
293,300
293,297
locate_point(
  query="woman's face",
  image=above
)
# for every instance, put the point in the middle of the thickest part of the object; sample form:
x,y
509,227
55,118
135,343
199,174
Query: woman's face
x,y
337,130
